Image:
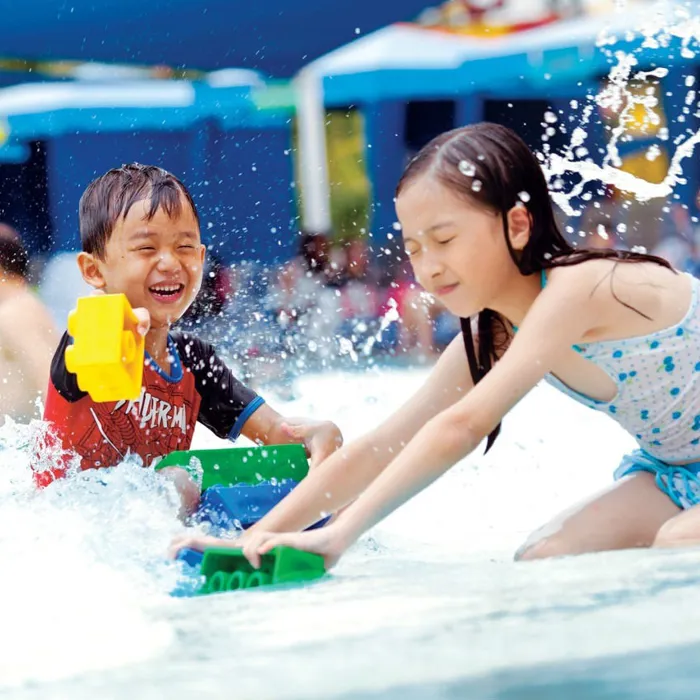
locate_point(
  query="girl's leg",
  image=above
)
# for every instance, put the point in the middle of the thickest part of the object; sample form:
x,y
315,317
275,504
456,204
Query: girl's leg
x,y
683,530
629,514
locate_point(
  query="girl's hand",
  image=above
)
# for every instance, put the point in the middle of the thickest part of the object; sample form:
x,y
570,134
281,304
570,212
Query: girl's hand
x,y
199,542
320,438
327,541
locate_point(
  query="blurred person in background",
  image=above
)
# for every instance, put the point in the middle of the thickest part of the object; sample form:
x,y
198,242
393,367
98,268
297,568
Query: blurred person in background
x,y
304,298
418,313
28,335
359,294
679,239
598,223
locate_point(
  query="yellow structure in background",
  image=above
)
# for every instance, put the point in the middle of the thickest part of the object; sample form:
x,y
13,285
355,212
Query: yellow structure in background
x,y
107,354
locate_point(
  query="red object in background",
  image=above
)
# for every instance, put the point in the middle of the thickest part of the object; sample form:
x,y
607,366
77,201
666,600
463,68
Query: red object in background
x,y
478,8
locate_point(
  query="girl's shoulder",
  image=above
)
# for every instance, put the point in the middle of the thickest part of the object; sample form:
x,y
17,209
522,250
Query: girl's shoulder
x,y
625,298
615,273
581,281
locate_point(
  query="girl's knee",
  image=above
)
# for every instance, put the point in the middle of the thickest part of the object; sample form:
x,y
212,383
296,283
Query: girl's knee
x,y
678,532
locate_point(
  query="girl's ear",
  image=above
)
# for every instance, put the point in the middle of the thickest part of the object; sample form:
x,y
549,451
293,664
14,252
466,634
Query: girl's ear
x,y
519,226
90,270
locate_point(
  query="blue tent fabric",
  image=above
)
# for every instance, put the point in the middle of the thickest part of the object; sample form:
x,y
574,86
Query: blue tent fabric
x,y
275,36
233,156
411,62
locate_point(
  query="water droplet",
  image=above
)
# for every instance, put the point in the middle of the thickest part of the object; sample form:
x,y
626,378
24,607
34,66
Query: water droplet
x,y
396,226
524,196
476,185
653,152
466,168
550,118
622,228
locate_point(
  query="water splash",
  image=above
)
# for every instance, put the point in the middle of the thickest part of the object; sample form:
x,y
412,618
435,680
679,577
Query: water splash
x,y
656,31
84,564
390,316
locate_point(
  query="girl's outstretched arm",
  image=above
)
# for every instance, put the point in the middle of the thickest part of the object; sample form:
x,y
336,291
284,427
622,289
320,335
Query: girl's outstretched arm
x,y
559,318
347,472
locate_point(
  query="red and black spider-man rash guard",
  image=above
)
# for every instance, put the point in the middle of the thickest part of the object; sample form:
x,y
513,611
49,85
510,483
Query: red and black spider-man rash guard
x,y
200,387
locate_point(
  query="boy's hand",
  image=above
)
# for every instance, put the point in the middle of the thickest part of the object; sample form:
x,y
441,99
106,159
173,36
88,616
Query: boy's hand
x,y
320,438
144,320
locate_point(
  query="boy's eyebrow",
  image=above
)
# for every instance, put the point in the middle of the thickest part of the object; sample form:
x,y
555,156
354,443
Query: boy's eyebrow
x,y
147,233
143,233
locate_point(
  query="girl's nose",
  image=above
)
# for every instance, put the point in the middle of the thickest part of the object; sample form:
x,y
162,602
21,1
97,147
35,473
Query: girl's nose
x,y
432,265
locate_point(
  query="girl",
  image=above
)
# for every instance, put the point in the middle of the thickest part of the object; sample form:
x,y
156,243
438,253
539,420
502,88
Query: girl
x,y
617,331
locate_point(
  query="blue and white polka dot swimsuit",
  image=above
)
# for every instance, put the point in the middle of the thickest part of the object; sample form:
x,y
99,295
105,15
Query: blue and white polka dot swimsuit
x,y
658,400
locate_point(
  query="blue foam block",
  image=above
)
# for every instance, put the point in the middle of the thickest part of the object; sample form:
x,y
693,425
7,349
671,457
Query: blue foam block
x,y
191,557
241,505
190,580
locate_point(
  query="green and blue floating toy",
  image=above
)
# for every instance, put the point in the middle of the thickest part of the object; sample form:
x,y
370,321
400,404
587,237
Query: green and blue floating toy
x,y
239,486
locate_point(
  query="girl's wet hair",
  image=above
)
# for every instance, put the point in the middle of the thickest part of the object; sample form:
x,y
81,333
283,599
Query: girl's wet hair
x,y
110,197
491,166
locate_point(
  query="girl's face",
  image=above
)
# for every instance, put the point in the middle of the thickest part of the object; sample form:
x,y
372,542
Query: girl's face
x,y
457,249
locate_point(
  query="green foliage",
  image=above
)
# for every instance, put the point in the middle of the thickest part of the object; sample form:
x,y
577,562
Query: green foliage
x,y
347,174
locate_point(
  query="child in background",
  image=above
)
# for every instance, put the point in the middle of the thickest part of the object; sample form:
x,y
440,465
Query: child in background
x,y
27,334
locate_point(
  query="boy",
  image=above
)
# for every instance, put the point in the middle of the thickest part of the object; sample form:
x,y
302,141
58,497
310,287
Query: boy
x,y
140,235
27,333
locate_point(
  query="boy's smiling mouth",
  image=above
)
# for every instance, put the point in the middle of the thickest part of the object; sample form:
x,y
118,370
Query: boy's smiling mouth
x,y
167,293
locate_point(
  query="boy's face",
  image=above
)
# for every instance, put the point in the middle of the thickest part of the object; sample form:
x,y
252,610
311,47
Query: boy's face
x,y
157,264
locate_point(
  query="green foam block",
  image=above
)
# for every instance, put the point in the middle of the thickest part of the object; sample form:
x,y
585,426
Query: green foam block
x,y
228,569
242,465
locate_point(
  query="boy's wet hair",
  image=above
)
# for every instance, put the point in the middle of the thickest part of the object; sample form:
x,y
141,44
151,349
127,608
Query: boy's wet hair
x,y
14,259
508,174
109,198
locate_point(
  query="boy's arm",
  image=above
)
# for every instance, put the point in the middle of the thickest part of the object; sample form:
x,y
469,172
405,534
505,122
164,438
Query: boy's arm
x,y
265,426
65,383
320,438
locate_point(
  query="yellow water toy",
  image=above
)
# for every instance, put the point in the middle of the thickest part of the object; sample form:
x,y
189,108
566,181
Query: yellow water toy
x,y
107,353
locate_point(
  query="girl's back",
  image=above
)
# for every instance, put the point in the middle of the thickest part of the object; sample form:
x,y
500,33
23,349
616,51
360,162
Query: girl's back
x,y
642,363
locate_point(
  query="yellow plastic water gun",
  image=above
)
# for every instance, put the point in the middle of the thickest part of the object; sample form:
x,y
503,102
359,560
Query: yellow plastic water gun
x,y
107,353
